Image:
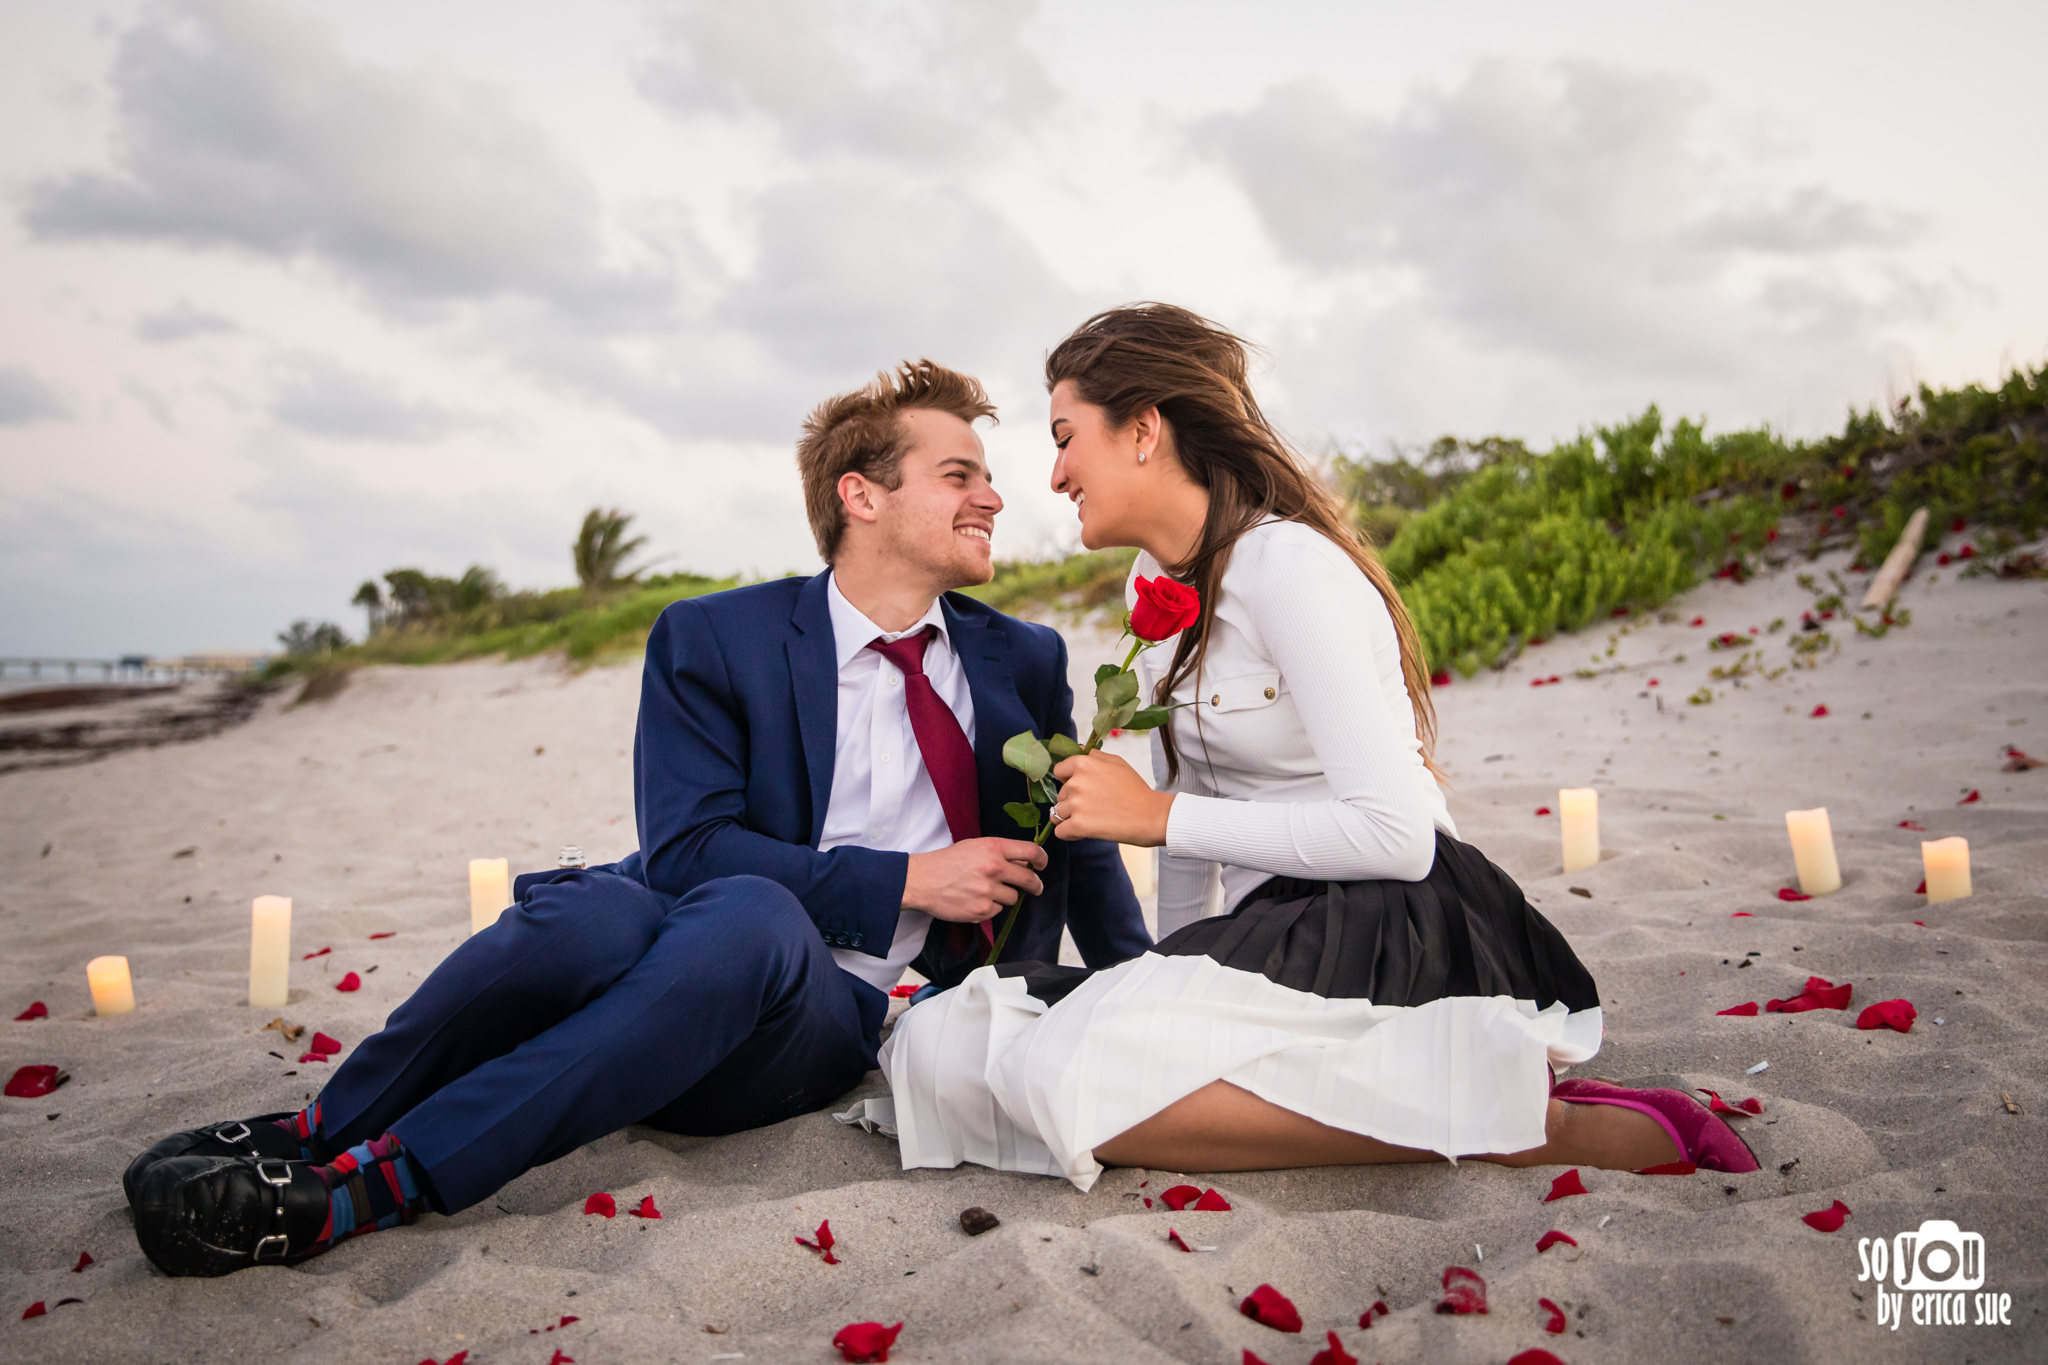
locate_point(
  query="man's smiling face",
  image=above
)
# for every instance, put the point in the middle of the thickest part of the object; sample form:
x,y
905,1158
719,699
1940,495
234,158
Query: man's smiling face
x,y
940,521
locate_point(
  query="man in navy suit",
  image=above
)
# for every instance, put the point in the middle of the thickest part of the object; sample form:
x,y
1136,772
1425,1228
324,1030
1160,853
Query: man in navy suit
x,y
819,787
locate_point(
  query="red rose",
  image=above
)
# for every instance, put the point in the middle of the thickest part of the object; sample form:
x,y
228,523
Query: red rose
x,y
1165,608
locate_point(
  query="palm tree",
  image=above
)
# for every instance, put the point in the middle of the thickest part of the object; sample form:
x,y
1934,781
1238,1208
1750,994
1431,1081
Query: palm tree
x,y
372,602
601,549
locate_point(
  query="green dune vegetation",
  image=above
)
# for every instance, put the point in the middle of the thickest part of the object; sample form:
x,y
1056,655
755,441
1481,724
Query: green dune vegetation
x,y
1493,545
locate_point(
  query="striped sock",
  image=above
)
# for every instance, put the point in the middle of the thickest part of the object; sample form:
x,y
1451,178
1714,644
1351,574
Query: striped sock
x,y
305,1126
372,1185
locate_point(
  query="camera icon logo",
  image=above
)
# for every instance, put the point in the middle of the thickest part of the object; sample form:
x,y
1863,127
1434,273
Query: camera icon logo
x,y
1938,1256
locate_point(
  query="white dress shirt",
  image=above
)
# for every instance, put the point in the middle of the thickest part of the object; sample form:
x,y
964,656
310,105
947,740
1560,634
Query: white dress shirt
x,y
1299,756
882,797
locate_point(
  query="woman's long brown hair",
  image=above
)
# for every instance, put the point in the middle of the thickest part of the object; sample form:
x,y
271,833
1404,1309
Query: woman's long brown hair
x,y
1156,355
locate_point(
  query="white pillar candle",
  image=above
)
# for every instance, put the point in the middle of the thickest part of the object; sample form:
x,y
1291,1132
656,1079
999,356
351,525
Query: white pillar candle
x,y
490,890
1947,863
270,951
1578,812
112,992
1813,851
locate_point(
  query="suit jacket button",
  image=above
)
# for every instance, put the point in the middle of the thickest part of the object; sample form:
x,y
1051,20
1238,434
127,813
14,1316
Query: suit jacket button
x,y
855,941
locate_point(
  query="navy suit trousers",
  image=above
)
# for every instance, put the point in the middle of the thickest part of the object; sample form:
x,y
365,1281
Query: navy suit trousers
x,y
596,1003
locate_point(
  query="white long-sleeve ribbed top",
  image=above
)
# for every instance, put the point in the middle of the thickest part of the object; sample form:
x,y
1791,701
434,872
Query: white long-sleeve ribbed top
x,y
1299,756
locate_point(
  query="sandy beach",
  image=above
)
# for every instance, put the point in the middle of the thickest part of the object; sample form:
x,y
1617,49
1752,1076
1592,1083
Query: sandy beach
x,y
365,807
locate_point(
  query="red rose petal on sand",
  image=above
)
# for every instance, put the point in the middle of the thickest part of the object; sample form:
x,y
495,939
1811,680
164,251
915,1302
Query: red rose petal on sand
x,y
455,1359
1556,1323
1746,1010
646,1209
1252,1357
31,1081
1786,893
322,953
1333,1354
568,1318
1743,914
1652,683
1543,810
305,1057
36,1010
34,1310
1274,1309
561,1357
1920,890
1957,525
1179,1197
865,1341
1921,922
325,1046
1670,1168
824,1243
389,933
1379,1309
1535,1355
1211,1202
1717,1105
1828,1219
1552,1238
1912,824
84,1260
1817,712
1818,994
1972,799
1183,1243
903,992
1565,1186
1464,1291
1148,1201
1440,678
351,982
1697,621
1891,1014
602,1205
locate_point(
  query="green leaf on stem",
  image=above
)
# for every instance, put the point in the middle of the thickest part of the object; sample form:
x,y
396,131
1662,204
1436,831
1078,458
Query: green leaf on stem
x,y
1151,718
1114,691
1105,672
1063,747
1023,812
1028,756
1115,718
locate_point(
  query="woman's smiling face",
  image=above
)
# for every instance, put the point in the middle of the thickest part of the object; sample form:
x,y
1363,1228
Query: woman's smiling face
x,y
1096,468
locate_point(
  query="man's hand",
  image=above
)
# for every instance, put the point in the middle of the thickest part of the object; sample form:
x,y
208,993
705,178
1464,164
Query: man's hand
x,y
974,880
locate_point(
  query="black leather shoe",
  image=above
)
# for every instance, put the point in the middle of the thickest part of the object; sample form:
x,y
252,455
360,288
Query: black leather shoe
x,y
214,1215
259,1136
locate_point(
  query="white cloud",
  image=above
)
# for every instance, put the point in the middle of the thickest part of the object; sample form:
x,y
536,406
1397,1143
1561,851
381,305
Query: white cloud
x,y
24,398
182,321
245,126
1573,227
320,396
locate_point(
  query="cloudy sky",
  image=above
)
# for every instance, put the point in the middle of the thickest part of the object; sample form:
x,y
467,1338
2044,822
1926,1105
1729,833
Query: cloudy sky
x,y
291,294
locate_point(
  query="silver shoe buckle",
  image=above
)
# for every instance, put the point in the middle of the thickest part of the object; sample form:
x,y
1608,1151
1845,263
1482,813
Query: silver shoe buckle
x,y
281,1246
274,1173
232,1133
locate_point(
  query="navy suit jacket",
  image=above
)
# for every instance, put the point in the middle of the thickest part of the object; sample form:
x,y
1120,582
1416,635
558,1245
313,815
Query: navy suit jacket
x,y
732,771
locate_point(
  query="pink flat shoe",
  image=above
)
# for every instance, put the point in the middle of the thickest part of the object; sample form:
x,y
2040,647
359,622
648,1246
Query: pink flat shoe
x,y
1701,1137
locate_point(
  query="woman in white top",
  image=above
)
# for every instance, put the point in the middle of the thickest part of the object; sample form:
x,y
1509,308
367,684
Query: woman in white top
x,y
1376,990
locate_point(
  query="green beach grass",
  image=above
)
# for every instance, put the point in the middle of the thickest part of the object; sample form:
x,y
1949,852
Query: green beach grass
x,y
1493,545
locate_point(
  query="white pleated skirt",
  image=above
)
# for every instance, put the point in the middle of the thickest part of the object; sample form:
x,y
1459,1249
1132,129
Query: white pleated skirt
x,y
987,1073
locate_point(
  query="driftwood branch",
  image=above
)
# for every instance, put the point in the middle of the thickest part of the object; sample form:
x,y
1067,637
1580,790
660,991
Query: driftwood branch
x,y
1898,563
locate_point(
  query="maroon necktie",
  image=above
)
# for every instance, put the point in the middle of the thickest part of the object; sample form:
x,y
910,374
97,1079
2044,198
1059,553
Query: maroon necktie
x,y
947,755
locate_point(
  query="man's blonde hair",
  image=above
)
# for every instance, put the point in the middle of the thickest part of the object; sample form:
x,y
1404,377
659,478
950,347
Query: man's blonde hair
x,y
862,433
